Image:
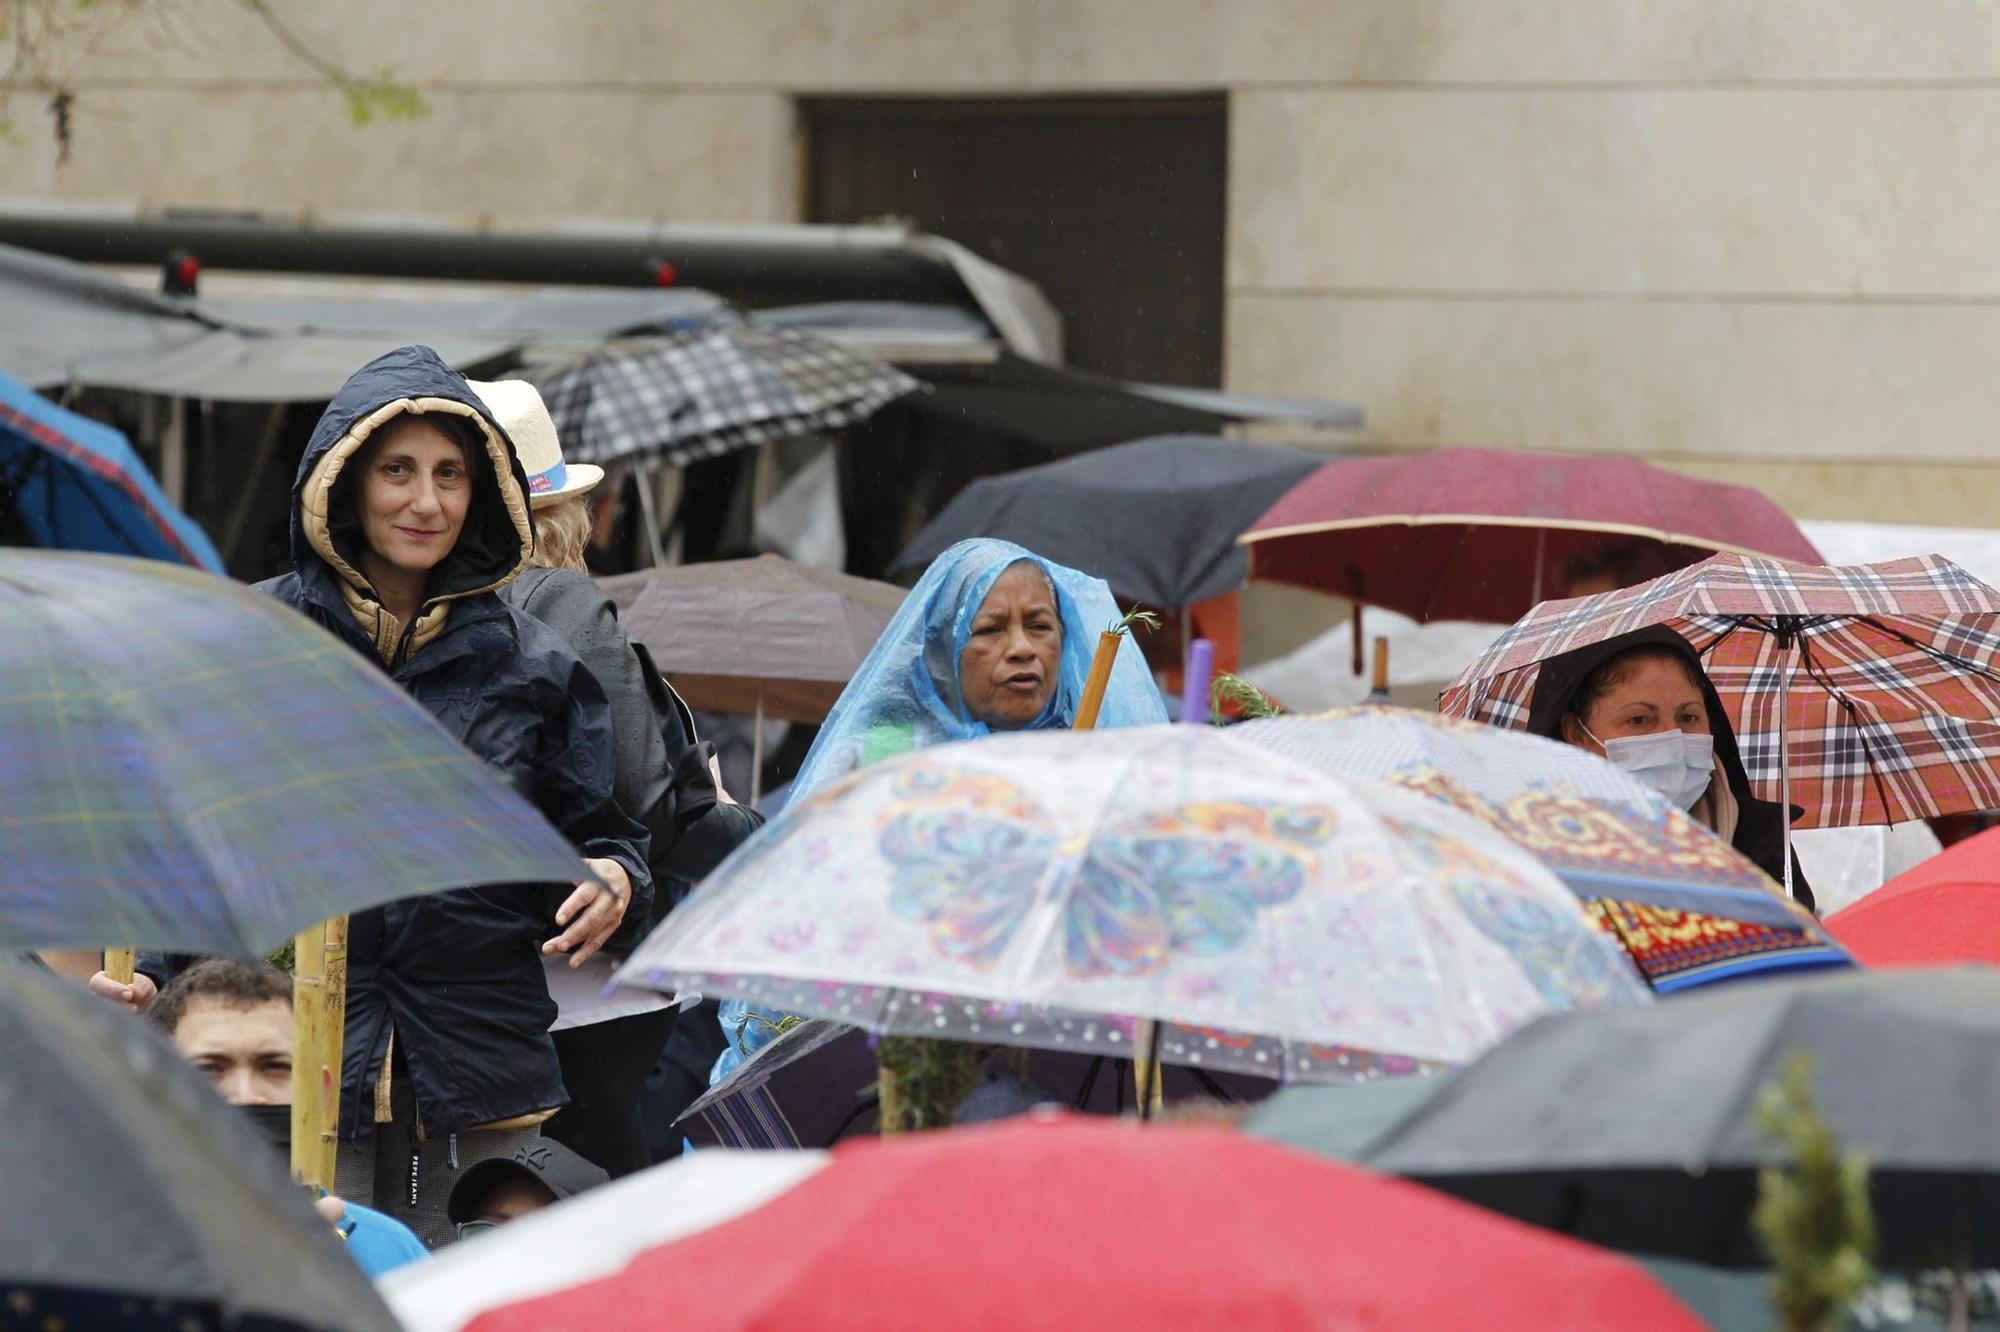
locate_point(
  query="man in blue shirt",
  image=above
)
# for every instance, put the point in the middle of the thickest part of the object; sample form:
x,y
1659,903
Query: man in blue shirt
x,y
233,1021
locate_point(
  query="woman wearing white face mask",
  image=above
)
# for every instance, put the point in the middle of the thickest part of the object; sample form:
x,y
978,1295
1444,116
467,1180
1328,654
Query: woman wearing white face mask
x,y
1643,701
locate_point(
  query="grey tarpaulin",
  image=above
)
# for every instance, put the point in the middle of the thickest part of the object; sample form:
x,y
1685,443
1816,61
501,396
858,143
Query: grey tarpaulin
x,y
67,324
1635,1129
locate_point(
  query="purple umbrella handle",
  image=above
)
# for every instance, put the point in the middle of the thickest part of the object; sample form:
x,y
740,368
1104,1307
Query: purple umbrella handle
x,y
1194,682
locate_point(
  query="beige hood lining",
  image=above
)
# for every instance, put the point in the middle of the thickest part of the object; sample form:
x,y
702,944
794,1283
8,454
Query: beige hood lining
x,y
316,498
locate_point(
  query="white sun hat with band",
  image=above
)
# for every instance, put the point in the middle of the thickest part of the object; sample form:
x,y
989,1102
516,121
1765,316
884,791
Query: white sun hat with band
x,y
517,405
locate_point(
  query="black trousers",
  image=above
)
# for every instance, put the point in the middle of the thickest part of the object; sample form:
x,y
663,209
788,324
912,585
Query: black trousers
x,y
604,1065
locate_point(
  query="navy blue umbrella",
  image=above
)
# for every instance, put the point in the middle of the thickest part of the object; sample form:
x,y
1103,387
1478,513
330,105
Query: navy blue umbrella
x,y
70,483
1156,518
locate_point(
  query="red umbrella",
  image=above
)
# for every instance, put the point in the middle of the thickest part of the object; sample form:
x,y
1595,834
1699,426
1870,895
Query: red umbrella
x,y
1477,534
1943,913
1064,1222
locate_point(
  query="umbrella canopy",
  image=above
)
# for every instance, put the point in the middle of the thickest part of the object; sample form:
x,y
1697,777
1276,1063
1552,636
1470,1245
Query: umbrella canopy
x,y
1157,518
1867,694
1944,912
1185,1228
814,1085
1635,1130
1055,888
699,394
590,1236
733,631
187,764
70,483
1686,907
1342,1122
1477,534
135,1197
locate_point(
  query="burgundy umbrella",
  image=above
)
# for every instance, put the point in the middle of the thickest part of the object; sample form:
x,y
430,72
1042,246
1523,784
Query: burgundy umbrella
x,y
1478,534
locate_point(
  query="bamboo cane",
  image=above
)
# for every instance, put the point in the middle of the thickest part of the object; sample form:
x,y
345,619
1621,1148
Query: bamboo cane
x,y
319,1012
119,963
889,1101
1098,681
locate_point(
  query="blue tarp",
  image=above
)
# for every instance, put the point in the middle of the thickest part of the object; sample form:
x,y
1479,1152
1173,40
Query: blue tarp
x,y
71,483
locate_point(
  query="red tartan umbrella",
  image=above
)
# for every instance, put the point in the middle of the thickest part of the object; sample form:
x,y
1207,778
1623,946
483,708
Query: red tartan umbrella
x,y
1065,1222
1942,913
1867,694
1477,534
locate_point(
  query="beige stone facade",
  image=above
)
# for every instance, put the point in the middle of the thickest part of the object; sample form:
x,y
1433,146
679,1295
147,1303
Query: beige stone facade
x,y
1757,239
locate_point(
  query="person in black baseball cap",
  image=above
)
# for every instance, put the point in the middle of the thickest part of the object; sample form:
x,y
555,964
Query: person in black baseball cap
x,y
507,1188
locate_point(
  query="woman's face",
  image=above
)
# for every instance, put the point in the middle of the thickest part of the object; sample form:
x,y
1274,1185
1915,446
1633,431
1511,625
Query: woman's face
x,y
1655,694
1008,668
415,490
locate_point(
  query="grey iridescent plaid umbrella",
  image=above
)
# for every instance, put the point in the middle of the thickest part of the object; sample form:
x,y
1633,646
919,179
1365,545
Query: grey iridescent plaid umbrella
x,y
186,764
699,394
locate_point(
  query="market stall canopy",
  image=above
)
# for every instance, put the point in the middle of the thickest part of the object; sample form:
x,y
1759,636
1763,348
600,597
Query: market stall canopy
x,y
71,325
751,264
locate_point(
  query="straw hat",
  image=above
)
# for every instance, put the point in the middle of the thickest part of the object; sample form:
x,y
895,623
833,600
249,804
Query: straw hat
x,y
519,409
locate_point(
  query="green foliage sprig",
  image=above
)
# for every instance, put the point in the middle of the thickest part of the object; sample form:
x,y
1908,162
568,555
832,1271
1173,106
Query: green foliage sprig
x,y
932,1079
1234,691
1813,1218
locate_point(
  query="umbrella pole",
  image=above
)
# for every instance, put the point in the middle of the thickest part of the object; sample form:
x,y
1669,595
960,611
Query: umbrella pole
x,y
319,1023
1786,644
1146,1080
757,752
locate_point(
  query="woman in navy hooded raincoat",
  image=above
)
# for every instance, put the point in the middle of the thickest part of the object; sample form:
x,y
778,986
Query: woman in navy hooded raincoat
x,y
410,511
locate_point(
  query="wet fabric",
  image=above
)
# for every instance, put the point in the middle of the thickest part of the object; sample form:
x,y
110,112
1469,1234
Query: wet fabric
x,y
458,976
906,695
1759,832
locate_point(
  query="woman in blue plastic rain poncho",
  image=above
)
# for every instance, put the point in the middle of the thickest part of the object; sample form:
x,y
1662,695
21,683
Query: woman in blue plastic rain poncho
x,y
992,638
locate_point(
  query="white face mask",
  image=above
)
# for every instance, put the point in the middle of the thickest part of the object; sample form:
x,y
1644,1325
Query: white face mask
x,y
1677,764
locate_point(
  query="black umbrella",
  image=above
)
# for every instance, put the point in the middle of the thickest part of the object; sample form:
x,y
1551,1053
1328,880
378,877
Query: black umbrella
x,y
1634,1129
134,1197
1156,518
815,1085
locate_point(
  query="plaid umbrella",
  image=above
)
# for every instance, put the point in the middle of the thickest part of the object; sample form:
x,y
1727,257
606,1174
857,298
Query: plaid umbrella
x,y
699,394
186,764
1868,694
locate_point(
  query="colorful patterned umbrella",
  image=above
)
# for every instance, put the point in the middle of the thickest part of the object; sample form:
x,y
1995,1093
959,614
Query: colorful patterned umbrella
x,y
1867,694
186,764
1687,908
1478,534
1055,888
685,396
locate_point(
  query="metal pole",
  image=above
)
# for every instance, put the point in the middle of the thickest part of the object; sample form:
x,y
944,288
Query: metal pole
x,y
1787,645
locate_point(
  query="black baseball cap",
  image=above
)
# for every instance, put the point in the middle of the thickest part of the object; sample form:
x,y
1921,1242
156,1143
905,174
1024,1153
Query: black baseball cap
x,y
546,1162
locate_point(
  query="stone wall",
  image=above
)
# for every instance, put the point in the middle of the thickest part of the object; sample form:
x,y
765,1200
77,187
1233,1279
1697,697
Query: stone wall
x,y
1757,239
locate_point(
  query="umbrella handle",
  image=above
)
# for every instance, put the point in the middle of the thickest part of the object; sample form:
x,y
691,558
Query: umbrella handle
x,y
119,964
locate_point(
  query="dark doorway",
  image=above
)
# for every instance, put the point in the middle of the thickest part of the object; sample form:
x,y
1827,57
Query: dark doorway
x,y
1114,205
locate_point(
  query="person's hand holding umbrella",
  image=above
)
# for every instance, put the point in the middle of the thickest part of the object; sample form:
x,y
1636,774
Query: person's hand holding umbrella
x,y
593,913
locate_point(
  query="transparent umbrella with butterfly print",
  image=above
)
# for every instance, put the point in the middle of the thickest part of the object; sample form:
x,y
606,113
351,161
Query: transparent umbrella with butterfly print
x,y
1060,889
